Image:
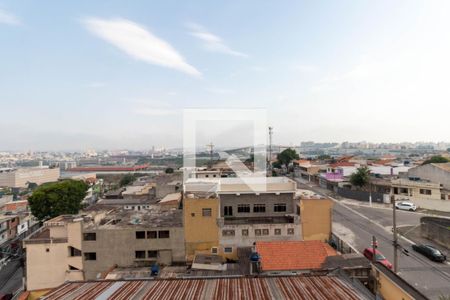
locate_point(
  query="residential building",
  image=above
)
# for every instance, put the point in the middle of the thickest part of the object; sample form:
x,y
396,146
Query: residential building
x,y
437,173
140,192
423,193
20,178
86,247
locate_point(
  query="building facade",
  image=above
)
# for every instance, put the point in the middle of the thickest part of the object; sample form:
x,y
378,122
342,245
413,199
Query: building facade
x,y
19,178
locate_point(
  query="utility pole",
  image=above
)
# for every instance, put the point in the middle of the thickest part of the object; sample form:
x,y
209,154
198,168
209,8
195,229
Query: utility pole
x,y
270,150
374,259
370,192
394,231
211,148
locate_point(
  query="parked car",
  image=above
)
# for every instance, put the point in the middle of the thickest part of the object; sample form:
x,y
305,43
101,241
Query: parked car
x,y
430,252
368,253
406,205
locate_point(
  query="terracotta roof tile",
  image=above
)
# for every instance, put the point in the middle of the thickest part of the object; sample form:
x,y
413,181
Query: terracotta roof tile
x,y
293,255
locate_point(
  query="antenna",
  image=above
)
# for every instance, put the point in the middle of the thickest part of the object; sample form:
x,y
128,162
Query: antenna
x,y
211,148
270,149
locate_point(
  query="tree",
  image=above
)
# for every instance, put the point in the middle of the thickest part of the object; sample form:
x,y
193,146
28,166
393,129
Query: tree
x,y
57,198
436,160
287,156
127,179
361,177
169,170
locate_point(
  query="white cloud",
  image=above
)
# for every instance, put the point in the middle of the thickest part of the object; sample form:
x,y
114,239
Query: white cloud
x,y
139,43
211,41
9,19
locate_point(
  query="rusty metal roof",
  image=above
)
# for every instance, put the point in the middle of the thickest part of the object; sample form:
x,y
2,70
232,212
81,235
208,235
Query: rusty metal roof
x,y
287,287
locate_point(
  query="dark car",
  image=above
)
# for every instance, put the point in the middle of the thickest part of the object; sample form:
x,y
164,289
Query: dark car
x,y
430,252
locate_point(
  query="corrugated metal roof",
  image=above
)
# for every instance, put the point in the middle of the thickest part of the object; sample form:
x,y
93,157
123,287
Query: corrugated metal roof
x,y
251,288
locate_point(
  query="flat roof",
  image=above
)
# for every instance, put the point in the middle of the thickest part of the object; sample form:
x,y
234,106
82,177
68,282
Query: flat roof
x,y
154,217
238,185
331,287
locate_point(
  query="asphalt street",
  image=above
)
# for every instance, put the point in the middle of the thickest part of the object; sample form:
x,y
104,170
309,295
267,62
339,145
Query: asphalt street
x,y
11,277
356,224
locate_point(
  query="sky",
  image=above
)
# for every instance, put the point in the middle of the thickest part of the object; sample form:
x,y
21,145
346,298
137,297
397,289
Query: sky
x,y
117,74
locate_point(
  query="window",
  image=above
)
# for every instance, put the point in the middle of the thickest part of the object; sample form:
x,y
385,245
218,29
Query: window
x,y
140,234
214,250
279,207
228,232
74,251
244,232
425,192
139,254
152,234
228,211
206,212
265,232
257,232
243,208
228,250
90,256
164,234
259,208
277,231
89,236
152,254
290,231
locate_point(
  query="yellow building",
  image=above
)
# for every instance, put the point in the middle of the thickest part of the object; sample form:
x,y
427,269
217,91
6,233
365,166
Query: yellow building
x,y
316,219
200,224
388,285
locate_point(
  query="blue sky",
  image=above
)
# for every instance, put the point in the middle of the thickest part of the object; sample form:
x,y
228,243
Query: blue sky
x,y
116,74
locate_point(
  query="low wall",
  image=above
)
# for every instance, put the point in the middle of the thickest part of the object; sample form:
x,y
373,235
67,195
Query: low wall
x,y
441,205
436,229
359,195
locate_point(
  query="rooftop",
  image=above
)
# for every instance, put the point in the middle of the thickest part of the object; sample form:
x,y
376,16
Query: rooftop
x,y
294,287
293,255
239,185
150,218
443,166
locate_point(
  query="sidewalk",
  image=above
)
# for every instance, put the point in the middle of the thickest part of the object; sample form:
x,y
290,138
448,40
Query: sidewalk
x,y
319,190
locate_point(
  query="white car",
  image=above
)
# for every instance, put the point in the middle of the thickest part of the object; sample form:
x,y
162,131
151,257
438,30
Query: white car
x,y
405,205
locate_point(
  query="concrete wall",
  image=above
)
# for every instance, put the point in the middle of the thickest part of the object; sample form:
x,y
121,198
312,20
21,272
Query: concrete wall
x,y
359,195
46,265
440,205
268,199
388,289
118,246
201,232
436,229
431,173
316,219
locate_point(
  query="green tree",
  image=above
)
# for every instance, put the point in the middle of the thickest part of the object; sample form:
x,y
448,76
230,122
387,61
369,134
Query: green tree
x,y
287,156
361,177
169,170
127,179
436,160
57,198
